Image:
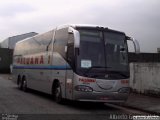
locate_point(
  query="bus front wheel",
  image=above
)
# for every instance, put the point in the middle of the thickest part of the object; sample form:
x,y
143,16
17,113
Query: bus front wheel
x,y
58,94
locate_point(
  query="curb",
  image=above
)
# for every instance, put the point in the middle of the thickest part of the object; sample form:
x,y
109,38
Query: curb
x,y
143,110
149,93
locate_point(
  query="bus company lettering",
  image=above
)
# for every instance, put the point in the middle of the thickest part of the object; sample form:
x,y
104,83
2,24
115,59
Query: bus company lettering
x,y
31,60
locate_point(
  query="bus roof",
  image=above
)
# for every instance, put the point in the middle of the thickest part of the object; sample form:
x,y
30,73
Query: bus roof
x,y
89,26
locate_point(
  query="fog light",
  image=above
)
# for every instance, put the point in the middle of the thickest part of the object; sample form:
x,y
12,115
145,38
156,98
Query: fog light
x,y
124,90
83,88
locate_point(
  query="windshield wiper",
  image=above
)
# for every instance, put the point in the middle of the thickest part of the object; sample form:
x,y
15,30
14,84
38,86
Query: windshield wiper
x,y
90,68
120,73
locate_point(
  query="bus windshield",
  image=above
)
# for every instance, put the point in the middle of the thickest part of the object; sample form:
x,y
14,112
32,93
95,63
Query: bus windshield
x,y
103,54
116,51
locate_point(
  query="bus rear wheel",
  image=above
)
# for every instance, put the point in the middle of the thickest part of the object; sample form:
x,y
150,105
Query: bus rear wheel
x,y
20,84
24,85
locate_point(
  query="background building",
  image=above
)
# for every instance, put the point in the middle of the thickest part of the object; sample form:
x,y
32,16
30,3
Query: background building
x,y
158,50
11,41
5,59
6,50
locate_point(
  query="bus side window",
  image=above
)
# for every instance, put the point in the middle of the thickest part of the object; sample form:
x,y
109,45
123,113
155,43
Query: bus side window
x,y
70,38
50,39
61,38
70,50
70,54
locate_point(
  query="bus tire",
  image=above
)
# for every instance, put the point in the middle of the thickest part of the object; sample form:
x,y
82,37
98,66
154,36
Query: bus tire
x,y
24,84
58,94
19,83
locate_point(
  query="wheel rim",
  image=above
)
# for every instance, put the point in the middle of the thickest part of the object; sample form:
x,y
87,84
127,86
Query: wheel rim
x,y
24,85
58,96
57,93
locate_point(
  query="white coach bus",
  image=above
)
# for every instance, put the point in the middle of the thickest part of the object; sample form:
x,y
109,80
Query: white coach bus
x,y
75,62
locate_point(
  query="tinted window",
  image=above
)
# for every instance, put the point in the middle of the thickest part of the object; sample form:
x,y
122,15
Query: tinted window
x,y
116,51
91,51
61,39
35,44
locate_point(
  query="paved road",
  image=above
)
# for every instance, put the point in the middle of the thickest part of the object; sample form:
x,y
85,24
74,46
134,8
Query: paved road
x,y
14,101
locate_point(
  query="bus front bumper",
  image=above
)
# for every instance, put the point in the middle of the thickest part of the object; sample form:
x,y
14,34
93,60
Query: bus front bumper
x,y
107,97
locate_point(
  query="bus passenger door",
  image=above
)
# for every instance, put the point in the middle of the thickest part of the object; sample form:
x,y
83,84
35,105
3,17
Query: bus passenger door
x,y
69,72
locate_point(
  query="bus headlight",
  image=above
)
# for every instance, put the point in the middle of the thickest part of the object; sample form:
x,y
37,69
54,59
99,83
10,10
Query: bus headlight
x,y
124,90
83,88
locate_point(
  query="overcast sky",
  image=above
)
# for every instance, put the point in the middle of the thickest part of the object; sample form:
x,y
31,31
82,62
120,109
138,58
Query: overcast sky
x,y
137,18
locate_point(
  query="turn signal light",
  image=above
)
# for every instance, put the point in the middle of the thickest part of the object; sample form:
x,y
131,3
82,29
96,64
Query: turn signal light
x,y
124,81
83,88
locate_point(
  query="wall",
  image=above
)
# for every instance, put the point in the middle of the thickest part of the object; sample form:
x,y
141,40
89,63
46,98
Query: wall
x,y
11,41
145,77
5,60
144,57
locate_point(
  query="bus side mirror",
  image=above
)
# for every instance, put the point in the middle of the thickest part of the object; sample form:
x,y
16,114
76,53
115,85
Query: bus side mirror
x,y
77,51
76,36
47,48
70,31
122,49
65,49
136,44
